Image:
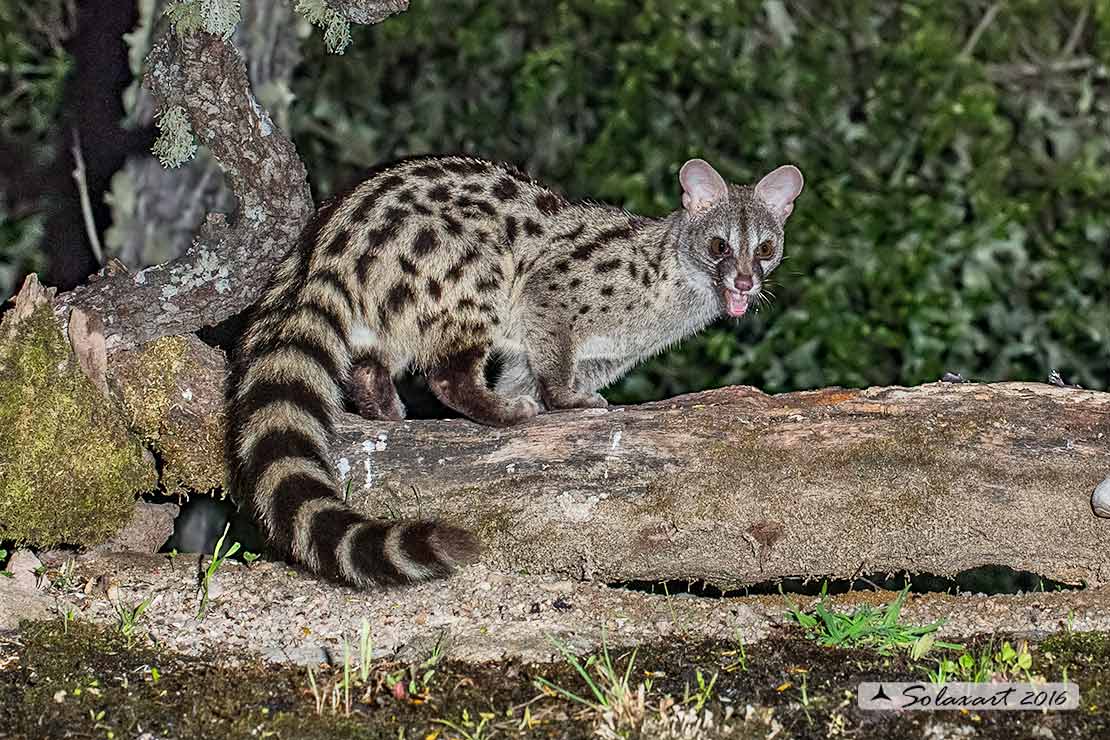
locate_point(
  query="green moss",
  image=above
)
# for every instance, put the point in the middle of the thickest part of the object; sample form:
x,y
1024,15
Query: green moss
x,y
151,380
69,470
1085,656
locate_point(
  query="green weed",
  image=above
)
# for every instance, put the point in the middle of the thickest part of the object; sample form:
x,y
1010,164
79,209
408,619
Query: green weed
x,y
877,628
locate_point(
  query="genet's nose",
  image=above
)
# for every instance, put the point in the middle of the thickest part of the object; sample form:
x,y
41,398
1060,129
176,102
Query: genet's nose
x,y
743,282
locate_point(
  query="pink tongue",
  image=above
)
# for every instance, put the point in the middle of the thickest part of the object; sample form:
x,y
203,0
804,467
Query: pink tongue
x,y
737,303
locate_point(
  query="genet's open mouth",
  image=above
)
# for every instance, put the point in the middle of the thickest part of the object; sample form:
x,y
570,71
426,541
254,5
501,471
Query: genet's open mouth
x,y
736,303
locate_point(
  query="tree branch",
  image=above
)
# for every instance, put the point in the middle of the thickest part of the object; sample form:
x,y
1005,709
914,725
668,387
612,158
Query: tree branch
x,y
219,275
224,271
368,11
736,487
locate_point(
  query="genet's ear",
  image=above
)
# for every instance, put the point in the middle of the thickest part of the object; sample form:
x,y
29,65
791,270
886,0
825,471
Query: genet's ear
x,y
702,187
780,188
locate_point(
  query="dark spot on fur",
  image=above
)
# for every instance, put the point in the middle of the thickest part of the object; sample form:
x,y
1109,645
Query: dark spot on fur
x,y
569,236
466,167
485,285
549,203
422,209
606,266
399,296
469,256
562,266
466,203
407,266
584,310
646,279
532,228
620,232
387,183
505,189
395,216
435,290
553,287
607,290
585,251
575,282
362,266
452,224
632,272
429,171
473,188
406,196
336,283
362,210
440,193
465,303
338,244
425,242
510,230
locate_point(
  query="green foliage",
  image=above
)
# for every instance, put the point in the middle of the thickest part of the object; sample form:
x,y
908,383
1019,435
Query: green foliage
x,y
878,628
219,555
954,217
33,67
1005,664
127,617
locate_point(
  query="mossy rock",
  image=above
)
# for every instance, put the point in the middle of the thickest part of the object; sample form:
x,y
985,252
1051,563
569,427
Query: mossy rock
x,y
69,469
166,391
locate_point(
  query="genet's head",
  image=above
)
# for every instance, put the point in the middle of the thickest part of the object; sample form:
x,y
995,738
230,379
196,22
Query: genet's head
x,y
731,236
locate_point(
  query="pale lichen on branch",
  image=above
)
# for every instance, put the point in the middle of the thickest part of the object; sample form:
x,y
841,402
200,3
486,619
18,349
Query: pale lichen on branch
x,y
337,30
175,144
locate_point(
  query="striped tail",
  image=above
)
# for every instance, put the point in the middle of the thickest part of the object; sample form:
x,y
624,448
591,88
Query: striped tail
x,y
285,392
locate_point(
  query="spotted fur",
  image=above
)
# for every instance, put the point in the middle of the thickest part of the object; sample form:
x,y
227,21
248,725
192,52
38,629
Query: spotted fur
x,y
432,264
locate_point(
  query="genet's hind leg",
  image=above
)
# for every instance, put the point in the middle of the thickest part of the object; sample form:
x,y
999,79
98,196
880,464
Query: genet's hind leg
x,y
517,378
460,382
371,389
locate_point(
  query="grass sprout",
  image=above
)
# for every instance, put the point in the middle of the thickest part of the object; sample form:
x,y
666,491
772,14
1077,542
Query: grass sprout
x,y
877,628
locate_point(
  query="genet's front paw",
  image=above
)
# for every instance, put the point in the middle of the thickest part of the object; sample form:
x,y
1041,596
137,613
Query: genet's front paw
x,y
569,399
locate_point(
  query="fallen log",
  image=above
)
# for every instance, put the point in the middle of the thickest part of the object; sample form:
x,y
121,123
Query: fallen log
x,y
735,487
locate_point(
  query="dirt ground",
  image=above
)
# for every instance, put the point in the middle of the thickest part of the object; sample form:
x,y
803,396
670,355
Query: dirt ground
x,y
83,681
461,659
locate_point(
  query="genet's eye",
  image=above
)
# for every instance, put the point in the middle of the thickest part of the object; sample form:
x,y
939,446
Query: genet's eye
x,y
718,248
765,251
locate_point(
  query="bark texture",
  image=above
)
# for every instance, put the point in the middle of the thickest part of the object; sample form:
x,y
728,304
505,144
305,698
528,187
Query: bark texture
x,y
735,487
227,266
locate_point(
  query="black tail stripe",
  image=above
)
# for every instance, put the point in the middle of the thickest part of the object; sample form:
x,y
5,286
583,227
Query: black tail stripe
x,y
368,549
311,349
416,545
332,278
297,392
288,498
327,530
281,444
329,317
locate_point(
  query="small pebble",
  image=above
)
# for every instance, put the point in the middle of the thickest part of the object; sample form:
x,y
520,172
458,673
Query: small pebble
x,y
1100,499
558,587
